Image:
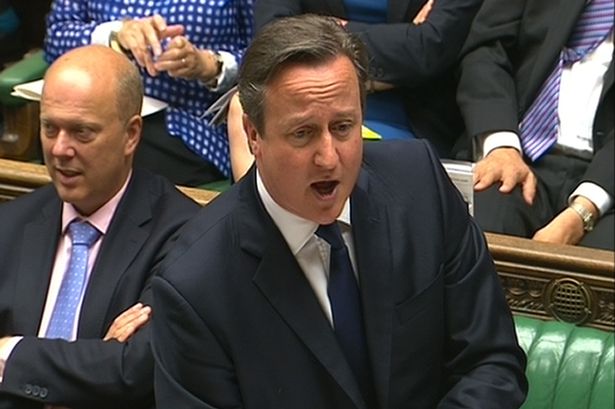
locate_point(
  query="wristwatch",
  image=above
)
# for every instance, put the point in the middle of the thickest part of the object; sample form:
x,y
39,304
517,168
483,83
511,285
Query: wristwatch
x,y
585,215
213,82
114,43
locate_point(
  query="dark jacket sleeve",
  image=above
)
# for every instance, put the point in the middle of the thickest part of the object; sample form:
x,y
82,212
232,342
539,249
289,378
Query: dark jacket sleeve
x,y
487,94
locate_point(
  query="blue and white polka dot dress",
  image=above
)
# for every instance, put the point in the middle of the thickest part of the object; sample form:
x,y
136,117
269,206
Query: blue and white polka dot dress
x,y
213,24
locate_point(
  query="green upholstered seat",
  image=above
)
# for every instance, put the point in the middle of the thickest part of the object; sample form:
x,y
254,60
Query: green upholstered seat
x,y
30,68
569,367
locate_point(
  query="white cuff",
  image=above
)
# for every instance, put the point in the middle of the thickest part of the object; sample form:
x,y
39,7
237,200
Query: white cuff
x,y
100,34
496,140
5,352
595,194
228,75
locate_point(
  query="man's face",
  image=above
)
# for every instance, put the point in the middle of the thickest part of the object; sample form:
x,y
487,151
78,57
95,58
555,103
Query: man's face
x,y
310,152
86,145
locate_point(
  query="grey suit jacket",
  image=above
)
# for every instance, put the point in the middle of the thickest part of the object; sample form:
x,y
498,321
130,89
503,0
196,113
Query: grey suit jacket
x,y
88,373
238,324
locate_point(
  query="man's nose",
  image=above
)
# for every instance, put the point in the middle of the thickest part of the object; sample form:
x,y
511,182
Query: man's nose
x,y
62,145
326,155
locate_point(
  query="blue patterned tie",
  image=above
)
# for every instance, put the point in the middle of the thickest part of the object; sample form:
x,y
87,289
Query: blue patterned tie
x,y
82,235
539,125
345,300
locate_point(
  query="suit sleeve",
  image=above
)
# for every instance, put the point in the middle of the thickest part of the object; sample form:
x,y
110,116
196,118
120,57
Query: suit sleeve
x,y
401,53
602,168
486,93
483,362
182,377
84,373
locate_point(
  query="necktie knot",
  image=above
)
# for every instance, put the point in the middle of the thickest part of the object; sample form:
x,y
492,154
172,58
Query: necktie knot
x,y
83,233
332,234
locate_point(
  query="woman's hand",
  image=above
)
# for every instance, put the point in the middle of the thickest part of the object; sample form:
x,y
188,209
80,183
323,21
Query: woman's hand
x,y
182,59
143,37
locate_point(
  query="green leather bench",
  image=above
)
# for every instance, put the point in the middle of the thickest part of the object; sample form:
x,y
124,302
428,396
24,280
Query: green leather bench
x,y
569,367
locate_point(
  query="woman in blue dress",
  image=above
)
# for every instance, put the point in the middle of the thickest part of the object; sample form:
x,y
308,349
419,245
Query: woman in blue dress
x,y
188,52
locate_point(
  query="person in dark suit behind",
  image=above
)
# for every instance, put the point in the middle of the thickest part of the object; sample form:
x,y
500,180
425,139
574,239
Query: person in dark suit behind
x,y
90,128
559,189
255,310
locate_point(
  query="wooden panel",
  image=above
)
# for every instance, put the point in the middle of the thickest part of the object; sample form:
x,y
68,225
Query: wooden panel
x,y
20,136
570,283
18,178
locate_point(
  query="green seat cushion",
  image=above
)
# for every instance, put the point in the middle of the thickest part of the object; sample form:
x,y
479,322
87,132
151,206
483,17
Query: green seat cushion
x,y
30,68
569,367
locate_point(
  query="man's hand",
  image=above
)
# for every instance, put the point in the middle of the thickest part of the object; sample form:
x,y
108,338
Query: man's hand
x,y
506,166
423,13
566,227
4,341
128,323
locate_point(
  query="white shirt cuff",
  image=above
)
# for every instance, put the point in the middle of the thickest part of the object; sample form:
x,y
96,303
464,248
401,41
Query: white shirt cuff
x,y
496,140
595,194
228,75
5,352
100,34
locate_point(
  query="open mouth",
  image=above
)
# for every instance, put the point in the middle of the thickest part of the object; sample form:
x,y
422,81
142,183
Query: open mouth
x,y
325,189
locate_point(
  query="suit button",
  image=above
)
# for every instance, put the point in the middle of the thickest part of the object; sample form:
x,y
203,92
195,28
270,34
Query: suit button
x,y
36,390
43,393
27,389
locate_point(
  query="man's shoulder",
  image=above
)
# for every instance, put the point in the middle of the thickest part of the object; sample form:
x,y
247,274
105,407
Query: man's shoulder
x,y
30,203
158,189
392,156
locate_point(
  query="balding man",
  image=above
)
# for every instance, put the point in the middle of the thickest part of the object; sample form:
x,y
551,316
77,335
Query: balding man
x,y
73,312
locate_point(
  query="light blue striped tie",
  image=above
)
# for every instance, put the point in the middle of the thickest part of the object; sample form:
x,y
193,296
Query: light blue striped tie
x,y
82,235
539,125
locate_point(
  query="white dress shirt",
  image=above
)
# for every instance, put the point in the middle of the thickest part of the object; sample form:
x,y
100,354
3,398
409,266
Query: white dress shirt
x,y
311,252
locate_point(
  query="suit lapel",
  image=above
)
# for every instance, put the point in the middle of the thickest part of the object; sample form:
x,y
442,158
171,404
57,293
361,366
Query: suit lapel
x,y
121,244
372,241
283,284
40,242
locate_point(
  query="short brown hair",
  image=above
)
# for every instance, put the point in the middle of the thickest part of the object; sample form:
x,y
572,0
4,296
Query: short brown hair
x,y
308,39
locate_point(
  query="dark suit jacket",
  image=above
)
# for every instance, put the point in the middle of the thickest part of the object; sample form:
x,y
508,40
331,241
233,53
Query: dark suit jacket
x,y
511,50
88,373
420,60
238,325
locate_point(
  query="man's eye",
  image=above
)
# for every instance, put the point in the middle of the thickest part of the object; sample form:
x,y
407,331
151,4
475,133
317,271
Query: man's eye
x,y
49,131
301,136
83,134
343,128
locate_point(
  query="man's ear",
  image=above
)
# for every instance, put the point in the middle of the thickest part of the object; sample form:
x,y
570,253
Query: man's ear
x,y
134,126
251,133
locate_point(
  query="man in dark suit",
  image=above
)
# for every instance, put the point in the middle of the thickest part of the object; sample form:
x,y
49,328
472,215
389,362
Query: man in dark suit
x,y
90,128
249,307
564,195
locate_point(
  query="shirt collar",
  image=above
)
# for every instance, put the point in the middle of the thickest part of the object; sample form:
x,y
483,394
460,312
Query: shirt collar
x,y
295,229
101,218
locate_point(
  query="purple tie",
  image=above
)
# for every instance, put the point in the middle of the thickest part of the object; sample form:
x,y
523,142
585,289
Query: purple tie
x,y
539,125
82,235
